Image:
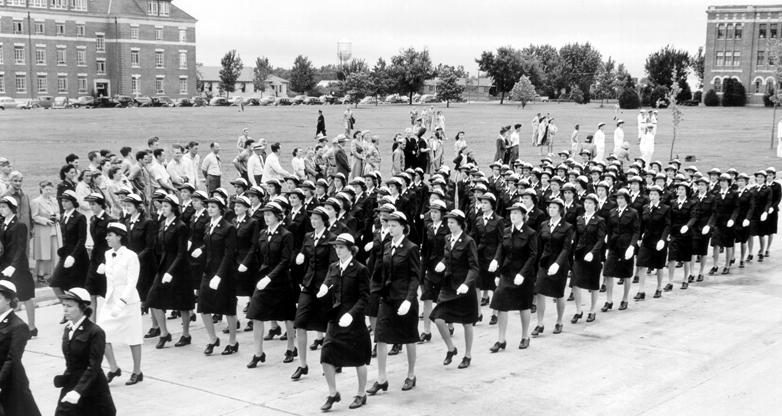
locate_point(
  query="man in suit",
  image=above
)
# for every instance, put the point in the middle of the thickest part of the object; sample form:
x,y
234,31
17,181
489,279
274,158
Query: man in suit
x,y
340,157
321,129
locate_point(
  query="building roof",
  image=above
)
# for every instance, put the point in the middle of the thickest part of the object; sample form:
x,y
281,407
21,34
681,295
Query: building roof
x,y
484,82
132,8
212,74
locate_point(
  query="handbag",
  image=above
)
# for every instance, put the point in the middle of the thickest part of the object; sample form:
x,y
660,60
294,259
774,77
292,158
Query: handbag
x,y
352,120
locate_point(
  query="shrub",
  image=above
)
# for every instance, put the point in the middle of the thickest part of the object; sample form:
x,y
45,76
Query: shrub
x,y
698,96
711,99
767,98
735,95
629,99
577,96
658,94
685,94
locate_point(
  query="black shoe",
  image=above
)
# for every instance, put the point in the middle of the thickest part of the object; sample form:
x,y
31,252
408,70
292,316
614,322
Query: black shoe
x,y
685,285
396,349
256,359
249,327
192,317
493,320
217,318
272,333
330,401
484,301
174,315
766,255
533,308
760,258
538,330
679,265
144,311
722,250
557,328
591,317
338,370
621,282
284,336
358,401
153,333
111,374
424,338
374,351
449,356
465,362
698,259
289,355
571,298
134,379
161,342
635,279
211,347
183,341
34,333
690,278
658,294
64,321
640,296
727,270
741,264
450,331
230,349
377,387
524,344
649,271
602,288
315,344
226,331
668,287
409,384
607,307
246,307
700,276
622,305
749,258
300,372
498,346
576,317
733,261
714,270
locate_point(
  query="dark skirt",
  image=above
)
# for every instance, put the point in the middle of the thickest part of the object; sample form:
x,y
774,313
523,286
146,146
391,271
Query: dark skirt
x,y
273,305
95,283
649,257
510,297
725,236
372,306
486,280
772,222
99,404
457,309
430,290
311,313
680,248
551,286
586,274
617,266
197,267
392,328
758,227
742,235
74,276
176,295
221,301
246,282
25,285
146,276
700,243
347,347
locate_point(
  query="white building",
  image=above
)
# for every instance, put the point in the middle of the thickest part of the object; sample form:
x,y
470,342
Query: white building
x,y
275,86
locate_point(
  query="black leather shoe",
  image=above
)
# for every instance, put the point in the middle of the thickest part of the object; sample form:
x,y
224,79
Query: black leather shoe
x,y
135,379
533,308
685,285
649,271
760,258
607,307
111,374
766,255
465,362
726,270
658,294
679,265
211,347
538,330
571,298
449,356
174,315
622,305
34,333
284,336
358,401
668,288
183,341
558,328
238,326
217,318
741,264
700,276
635,279
153,333
620,281
249,327
524,344
256,359
591,317
749,258
395,349
424,338
690,278
161,342
289,355
498,346
315,344
246,307
272,333
493,320
330,401
576,317
374,351
377,387
192,317
602,288
300,372
640,296
450,331
484,301
230,349
409,384
714,270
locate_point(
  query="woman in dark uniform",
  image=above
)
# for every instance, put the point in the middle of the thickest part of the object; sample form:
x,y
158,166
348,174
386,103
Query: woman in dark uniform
x,y
347,339
704,225
397,287
273,299
186,191
96,280
457,303
314,258
432,254
142,238
590,232
746,204
246,258
623,228
84,388
219,282
74,261
759,221
199,225
14,265
333,206
556,236
515,258
655,230
375,265
172,288
726,204
487,233
297,221
684,213
773,212
16,399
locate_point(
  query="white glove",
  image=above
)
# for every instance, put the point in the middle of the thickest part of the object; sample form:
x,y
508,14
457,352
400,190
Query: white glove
x,y
440,267
763,216
589,257
263,283
346,320
71,397
196,253
242,268
493,266
189,244
323,291
771,210
167,278
69,262
368,247
745,223
685,229
706,230
300,259
730,223
115,311
496,281
553,269
404,308
215,282
462,289
660,245
102,269
629,253
9,271
520,279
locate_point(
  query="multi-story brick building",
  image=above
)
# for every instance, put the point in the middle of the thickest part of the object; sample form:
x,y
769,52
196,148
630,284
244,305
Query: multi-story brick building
x,y
96,47
739,40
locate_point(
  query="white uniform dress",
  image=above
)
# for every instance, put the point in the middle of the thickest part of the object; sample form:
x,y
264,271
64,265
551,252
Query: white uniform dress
x,y
600,144
619,138
122,269
641,125
647,147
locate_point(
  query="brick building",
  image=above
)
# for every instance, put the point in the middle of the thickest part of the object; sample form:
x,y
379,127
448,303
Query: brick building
x,y
738,45
93,47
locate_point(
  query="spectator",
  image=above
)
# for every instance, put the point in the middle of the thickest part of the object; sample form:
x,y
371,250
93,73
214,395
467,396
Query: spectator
x,y
68,176
5,170
47,238
255,165
140,180
372,161
298,164
72,159
95,158
240,161
241,142
194,158
398,158
180,168
160,177
153,143
211,168
272,168
23,202
310,168
127,159
114,185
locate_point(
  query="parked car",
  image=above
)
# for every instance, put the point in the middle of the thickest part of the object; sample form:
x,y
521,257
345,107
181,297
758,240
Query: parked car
x,y
269,100
327,99
7,103
298,99
199,101
368,100
24,105
312,101
395,99
125,101
183,102
61,103
219,102
166,101
428,98
83,101
146,101
282,101
103,102
45,101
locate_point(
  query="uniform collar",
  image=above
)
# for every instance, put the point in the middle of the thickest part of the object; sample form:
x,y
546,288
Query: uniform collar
x,y
5,314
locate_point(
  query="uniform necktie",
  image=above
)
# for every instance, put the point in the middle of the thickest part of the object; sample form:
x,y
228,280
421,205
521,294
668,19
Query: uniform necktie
x,y
113,254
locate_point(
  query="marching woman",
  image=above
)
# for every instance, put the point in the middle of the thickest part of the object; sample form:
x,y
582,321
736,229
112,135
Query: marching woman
x,y
84,389
758,223
704,225
14,264
457,302
590,232
773,213
684,213
74,260
381,237
298,223
726,203
186,191
333,206
431,255
199,225
487,233
246,258
142,237
96,279
273,299
314,257
172,288
397,287
120,317
347,338
556,236
655,231
623,228
16,399
217,294
516,257
746,203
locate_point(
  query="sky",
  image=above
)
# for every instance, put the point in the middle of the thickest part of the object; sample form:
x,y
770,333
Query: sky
x,y
454,31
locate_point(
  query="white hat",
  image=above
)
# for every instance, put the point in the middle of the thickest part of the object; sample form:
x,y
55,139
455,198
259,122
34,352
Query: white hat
x,y
7,285
9,200
78,294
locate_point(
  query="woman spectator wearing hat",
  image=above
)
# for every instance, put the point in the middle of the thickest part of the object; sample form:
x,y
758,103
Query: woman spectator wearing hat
x,y
487,232
172,288
347,341
73,261
68,174
684,213
219,286
84,389
47,238
246,257
13,258
397,287
588,241
16,399
96,279
274,298
120,316
142,237
655,232
623,229
726,204
432,252
515,260
704,224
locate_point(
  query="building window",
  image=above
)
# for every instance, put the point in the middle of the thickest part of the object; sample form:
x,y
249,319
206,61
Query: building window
x,y
770,87
762,31
39,29
59,4
134,86
152,8
134,59
18,27
39,4
101,67
730,31
134,33
79,5
736,58
721,31
2,83
728,58
82,85
60,29
739,31
182,60
42,84
720,59
19,3
62,84
772,31
40,56
761,58
183,86
80,31
158,34
757,86
21,84
60,56
100,43
81,58
160,86
182,35
158,59
718,85
165,8
19,55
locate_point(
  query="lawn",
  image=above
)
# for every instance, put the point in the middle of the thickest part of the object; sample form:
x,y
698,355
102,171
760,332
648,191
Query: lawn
x,y
38,141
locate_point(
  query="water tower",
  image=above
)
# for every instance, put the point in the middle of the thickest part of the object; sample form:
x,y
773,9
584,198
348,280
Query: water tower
x,y
344,51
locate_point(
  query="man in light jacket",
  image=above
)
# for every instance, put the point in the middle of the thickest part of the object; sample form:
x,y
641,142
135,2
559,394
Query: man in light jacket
x,y
272,168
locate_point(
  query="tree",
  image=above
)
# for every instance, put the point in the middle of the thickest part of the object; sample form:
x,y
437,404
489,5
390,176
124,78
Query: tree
x,y
581,65
606,80
676,113
667,66
623,78
261,73
448,87
302,75
506,67
409,70
698,65
629,100
457,70
381,82
734,94
232,69
358,85
523,91
776,57
552,77
577,95
199,76
351,67
711,99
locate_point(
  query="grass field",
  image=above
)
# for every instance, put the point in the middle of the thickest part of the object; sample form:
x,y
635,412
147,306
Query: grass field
x,y
38,141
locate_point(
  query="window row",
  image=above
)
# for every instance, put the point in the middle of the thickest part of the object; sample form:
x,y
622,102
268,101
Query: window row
x,y
75,5
61,56
158,8
160,86
42,84
135,59
730,58
767,31
59,30
730,31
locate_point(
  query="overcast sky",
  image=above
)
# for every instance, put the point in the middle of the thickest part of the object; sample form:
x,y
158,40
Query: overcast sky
x,y
454,31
